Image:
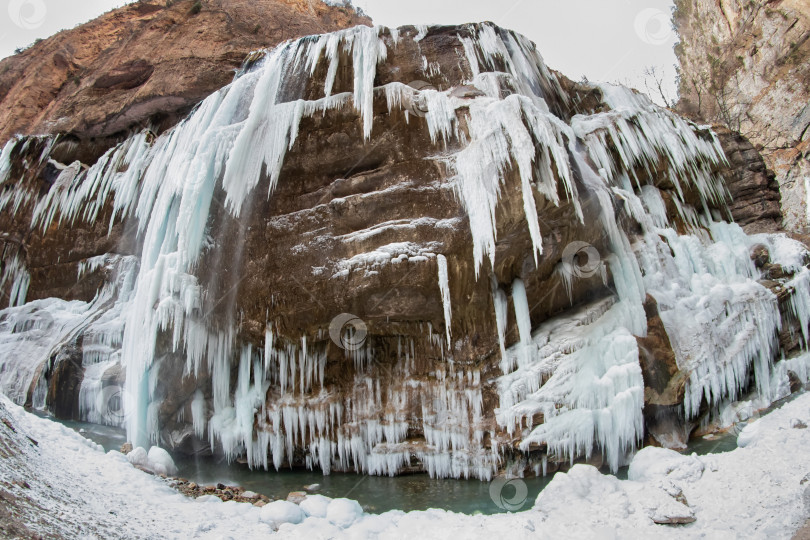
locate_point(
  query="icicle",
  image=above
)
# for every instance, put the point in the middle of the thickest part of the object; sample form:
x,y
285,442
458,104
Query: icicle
x,y
499,136
500,302
799,304
15,275
444,287
271,127
198,413
367,50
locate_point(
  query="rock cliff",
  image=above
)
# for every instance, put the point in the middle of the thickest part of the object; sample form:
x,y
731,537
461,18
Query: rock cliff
x,y
745,65
145,65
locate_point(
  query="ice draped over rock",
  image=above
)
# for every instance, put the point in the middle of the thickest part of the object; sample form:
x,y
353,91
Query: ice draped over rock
x,y
567,385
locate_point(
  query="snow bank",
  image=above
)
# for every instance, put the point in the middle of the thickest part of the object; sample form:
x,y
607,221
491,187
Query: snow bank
x,y
752,492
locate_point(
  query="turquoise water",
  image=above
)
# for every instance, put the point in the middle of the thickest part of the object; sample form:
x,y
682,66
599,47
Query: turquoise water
x,y
727,441
377,494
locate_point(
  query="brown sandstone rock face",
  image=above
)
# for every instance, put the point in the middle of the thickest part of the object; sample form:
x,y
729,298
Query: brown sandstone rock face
x,y
663,383
745,65
63,399
753,188
146,64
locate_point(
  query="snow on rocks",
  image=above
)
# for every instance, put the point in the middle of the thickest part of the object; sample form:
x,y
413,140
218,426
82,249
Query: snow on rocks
x,y
278,512
343,512
161,462
316,505
748,435
138,457
632,502
157,460
654,463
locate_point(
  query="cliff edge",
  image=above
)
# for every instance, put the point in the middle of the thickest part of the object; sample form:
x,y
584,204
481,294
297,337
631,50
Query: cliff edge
x,y
146,64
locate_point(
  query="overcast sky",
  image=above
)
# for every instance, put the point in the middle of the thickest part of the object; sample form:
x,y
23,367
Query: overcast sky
x,y
604,40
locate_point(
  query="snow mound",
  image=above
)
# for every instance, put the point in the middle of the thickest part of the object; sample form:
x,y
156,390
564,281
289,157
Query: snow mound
x,y
161,462
138,457
280,512
654,463
157,460
610,499
748,435
344,512
315,505
583,485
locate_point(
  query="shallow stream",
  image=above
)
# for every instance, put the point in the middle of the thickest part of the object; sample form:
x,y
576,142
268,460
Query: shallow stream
x,y
377,494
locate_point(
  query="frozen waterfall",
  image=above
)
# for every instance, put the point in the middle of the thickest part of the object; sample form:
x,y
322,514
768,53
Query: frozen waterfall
x,y
566,387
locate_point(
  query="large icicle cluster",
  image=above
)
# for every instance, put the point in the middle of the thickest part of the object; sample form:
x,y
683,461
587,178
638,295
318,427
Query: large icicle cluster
x,y
364,431
642,136
720,321
33,334
168,184
581,379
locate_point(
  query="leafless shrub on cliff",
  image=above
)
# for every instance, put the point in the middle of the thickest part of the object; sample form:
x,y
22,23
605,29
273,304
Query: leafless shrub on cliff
x,y
654,83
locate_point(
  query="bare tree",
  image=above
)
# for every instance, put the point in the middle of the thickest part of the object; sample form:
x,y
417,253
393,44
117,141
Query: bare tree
x,y
654,82
699,83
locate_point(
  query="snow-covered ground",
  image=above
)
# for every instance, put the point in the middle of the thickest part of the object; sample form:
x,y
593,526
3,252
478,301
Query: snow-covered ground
x,y
63,485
